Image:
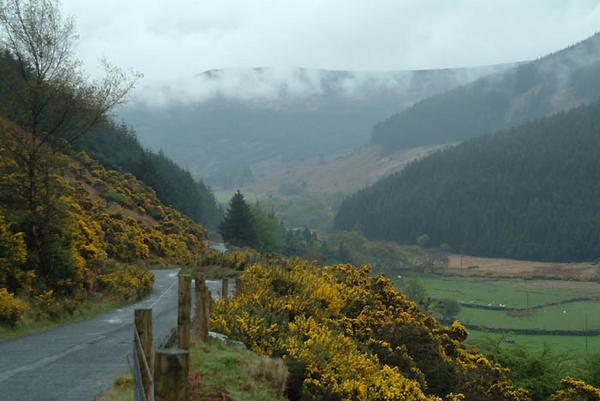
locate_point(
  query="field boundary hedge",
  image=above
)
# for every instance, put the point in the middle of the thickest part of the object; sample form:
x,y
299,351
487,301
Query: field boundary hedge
x,y
543,332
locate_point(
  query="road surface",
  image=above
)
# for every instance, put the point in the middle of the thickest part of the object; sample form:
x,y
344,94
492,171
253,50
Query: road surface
x,y
78,361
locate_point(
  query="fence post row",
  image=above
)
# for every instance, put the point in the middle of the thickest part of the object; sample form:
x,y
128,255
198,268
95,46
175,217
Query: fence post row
x,y
171,368
142,343
184,311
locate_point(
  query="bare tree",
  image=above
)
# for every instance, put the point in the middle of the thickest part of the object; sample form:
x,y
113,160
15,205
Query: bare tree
x,y
52,101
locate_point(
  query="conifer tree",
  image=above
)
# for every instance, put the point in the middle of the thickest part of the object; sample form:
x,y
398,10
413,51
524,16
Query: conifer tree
x,y
238,226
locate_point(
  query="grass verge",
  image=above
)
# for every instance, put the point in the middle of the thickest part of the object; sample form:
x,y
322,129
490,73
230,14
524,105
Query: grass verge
x,y
30,325
221,372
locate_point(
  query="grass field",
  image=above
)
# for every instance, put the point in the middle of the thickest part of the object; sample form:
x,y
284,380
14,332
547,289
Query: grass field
x,y
520,293
496,291
560,317
560,344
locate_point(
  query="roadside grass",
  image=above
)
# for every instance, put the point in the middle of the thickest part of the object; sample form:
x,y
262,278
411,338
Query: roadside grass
x,y
86,310
122,389
221,372
236,372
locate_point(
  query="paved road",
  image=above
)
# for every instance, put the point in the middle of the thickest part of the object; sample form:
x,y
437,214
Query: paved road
x,y
78,361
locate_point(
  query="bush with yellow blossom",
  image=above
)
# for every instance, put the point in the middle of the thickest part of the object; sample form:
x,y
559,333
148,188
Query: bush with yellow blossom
x,y
348,336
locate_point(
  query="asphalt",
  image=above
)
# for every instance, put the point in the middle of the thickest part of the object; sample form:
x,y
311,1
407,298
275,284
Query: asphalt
x,y
79,361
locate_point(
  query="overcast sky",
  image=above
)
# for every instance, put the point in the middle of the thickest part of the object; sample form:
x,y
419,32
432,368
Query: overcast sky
x,y
166,39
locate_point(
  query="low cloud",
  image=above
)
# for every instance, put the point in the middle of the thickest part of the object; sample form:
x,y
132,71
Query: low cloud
x,y
171,41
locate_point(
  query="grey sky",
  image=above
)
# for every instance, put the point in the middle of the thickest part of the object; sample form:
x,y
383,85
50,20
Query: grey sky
x,y
176,39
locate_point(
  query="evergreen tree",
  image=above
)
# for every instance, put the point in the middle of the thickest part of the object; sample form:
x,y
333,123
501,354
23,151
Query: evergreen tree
x,y
238,227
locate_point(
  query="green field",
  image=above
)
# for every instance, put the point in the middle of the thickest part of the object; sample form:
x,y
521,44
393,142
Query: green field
x,y
497,291
520,293
561,344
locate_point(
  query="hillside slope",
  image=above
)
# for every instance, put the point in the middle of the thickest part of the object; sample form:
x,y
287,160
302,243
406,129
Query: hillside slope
x,y
100,229
528,193
117,147
337,176
233,119
557,82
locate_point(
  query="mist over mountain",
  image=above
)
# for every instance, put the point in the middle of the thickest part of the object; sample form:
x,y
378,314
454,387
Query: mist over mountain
x,y
557,82
221,122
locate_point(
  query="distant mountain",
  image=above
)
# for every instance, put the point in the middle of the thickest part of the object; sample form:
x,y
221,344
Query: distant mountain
x,y
557,82
222,122
531,192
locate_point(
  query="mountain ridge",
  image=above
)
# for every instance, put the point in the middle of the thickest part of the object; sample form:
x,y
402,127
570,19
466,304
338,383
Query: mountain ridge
x,y
558,81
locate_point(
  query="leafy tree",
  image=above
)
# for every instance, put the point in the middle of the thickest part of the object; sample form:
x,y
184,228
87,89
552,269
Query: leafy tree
x,y
423,240
238,226
591,369
415,290
52,104
538,371
269,235
447,309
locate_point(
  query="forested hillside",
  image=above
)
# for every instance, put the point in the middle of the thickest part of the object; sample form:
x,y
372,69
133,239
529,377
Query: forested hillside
x,y
221,122
557,82
531,192
117,147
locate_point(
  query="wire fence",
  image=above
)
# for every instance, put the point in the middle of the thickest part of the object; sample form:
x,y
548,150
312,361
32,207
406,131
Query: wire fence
x,y
141,370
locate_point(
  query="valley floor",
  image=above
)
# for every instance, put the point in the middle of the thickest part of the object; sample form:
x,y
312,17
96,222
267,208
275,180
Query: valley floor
x,y
514,304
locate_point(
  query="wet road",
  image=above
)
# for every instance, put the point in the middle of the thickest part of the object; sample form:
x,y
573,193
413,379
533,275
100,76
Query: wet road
x,y
78,361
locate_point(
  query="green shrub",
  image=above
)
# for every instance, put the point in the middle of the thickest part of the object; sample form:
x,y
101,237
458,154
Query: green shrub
x,y
11,308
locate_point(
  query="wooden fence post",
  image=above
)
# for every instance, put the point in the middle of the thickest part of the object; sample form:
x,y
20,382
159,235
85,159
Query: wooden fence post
x,y
238,286
202,306
184,311
171,368
225,288
143,347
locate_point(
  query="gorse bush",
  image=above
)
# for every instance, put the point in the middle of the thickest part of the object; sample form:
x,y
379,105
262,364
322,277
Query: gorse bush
x,y
11,308
234,258
345,335
575,390
126,282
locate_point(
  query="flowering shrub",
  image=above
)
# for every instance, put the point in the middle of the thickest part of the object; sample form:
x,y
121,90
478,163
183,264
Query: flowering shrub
x,y
234,258
126,282
575,390
11,308
347,335
13,255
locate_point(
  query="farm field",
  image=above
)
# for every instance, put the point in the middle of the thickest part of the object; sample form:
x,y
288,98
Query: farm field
x,y
519,293
569,345
464,265
501,291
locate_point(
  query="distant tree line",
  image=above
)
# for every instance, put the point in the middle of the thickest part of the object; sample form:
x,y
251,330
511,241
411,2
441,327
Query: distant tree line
x,y
529,193
246,225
